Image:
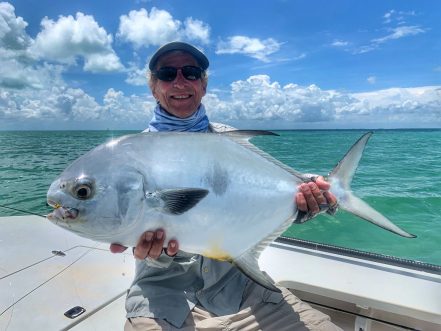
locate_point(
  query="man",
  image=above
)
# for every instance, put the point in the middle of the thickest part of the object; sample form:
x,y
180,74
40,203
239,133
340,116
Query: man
x,y
175,290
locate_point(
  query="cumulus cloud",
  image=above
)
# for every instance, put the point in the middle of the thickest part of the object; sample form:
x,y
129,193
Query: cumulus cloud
x,y
13,35
19,68
65,107
71,37
137,76
196,30
259,99
144,29
133,108
253,47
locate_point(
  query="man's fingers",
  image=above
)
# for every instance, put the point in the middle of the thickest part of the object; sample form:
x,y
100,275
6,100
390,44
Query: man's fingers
x,y
301,202
310,198
117,248
157,245
317,193
142,249
322,183
172,247
330,198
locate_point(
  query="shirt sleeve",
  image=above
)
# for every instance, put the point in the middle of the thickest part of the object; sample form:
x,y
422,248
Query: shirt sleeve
x,y
164,261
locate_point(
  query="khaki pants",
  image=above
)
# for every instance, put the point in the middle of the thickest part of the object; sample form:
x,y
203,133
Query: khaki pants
x,y
254,315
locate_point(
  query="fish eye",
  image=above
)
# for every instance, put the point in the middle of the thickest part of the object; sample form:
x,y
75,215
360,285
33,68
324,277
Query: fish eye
x,y
83,189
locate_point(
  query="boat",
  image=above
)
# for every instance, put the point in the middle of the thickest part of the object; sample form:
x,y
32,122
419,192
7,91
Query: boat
x,y
51,279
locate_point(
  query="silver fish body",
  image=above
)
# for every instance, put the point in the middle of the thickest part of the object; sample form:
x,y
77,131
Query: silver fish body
x,y
217,194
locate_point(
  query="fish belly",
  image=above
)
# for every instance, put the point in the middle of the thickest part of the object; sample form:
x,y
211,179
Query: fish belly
x,y
249,197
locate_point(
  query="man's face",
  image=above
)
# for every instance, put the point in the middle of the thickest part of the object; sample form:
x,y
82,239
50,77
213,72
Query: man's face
x,y
180,97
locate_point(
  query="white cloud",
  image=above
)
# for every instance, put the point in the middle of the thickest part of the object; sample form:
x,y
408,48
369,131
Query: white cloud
x,y
259,100
196,30
143,29
340,43
398,17
371,79
65,107
12,29
388,16
253,47
137,76
399,32
68,38
18,67
133,109
256,101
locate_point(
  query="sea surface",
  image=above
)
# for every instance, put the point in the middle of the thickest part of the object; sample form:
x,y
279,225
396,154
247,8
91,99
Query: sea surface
x,y
399,175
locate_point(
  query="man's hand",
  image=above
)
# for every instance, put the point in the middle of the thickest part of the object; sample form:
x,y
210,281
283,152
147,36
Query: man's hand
x,y
313,194
150,245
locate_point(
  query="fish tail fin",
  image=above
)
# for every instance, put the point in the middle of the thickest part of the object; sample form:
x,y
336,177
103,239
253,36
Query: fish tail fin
x,y
341,178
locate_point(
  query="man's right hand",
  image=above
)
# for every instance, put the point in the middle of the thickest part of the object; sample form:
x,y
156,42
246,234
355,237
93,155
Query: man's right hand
x,y
150,245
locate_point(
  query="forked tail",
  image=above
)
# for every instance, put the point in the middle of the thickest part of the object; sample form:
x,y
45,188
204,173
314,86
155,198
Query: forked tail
x,y
341,178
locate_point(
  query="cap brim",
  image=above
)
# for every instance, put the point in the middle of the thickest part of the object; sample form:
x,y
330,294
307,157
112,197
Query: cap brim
x,y
179,46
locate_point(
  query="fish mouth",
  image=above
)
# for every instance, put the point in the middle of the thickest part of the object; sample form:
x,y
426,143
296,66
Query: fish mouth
x,y
62,213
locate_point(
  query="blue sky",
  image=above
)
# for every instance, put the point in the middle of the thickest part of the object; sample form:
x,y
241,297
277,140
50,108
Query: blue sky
x,y
274,64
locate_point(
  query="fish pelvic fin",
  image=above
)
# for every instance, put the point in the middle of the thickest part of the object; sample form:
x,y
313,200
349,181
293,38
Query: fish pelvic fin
x,y
178,201
341,178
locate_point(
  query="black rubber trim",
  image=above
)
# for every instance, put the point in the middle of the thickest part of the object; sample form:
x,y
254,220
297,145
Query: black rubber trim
x,y
386,259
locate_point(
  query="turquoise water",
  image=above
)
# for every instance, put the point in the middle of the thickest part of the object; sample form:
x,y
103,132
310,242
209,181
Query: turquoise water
x,y
399,175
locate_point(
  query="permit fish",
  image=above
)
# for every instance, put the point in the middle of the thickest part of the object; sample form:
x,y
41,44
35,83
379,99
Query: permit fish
x,y
216,193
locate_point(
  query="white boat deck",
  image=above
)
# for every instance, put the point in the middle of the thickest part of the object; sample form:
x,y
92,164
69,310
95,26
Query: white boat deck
x,y
38,285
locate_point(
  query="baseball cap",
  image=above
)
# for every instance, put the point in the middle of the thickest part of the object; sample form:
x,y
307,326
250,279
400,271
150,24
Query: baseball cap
x,y
179,46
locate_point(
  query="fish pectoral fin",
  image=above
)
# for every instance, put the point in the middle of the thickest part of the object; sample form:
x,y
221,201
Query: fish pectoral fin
x,y
178,201
247,263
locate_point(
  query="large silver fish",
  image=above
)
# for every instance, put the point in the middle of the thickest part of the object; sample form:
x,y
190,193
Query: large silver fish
x,y
217,194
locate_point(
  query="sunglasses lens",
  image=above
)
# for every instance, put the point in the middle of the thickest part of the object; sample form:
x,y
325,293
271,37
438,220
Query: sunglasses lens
x,y
191,73
166,73
169,74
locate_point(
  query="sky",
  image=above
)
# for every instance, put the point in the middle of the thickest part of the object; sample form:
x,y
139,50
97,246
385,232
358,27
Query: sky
x,y
73,65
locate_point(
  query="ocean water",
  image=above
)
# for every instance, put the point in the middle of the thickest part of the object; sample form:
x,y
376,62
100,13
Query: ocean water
x,y
399,175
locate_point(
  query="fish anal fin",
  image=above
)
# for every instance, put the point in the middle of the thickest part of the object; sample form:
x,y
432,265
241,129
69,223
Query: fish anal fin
x,y
247,263
178,201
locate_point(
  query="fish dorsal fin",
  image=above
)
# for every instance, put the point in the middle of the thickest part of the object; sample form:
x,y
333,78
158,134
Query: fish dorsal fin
x,y
242,137
246,134
178,201
248,261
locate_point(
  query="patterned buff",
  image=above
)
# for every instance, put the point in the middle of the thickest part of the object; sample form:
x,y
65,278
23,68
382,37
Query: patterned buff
x,y
162,121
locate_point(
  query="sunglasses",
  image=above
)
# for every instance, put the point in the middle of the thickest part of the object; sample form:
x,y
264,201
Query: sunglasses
x,y
168,74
